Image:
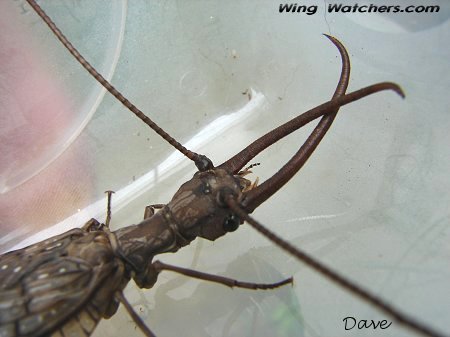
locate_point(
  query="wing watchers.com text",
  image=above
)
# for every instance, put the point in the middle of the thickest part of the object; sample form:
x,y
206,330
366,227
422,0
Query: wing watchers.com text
x,y
356,8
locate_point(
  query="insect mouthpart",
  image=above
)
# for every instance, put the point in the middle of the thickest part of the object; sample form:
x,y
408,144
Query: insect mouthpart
x,y
246,184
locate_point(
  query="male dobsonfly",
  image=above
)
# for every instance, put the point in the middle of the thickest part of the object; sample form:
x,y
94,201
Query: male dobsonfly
x,y
65,285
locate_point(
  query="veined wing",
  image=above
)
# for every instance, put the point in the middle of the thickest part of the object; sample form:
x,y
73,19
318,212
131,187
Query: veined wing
x,y
61,286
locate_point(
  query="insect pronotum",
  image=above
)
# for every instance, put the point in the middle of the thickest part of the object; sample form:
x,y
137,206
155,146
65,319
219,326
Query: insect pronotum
x,y
21,273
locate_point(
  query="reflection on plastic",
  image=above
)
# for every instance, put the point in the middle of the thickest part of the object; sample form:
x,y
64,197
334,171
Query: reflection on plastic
x,y
175,161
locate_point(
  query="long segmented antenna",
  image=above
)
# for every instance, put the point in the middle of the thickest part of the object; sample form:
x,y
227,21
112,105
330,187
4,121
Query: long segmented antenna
x,y
202,162
260,194
333,276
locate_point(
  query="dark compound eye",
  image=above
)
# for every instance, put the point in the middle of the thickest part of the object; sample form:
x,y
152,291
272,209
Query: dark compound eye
x,y
206,188
231,223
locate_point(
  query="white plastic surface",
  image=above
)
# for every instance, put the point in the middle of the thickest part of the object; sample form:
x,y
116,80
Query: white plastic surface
x,y
41,116
372,202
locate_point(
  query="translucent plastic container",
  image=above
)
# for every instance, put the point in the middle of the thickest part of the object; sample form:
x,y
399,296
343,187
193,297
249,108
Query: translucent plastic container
x,y
372,202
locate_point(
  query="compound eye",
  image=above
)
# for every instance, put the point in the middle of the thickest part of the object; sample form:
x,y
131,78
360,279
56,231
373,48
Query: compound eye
x,y
231,223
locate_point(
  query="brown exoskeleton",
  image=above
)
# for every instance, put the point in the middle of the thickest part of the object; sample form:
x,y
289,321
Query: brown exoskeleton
x,y
66,284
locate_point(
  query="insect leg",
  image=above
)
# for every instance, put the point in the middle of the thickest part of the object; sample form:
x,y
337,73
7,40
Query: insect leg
x,y
145,330
229,282
93,225
108,208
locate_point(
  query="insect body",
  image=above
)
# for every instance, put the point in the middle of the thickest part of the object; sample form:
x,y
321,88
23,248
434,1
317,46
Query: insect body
x,y
63,286
74,266
79,273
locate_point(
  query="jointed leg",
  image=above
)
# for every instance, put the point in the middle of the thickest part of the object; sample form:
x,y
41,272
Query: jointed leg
x,y
139,322
108,208
159,266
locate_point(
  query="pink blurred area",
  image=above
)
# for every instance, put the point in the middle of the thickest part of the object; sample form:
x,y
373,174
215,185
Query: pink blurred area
x,y
35,121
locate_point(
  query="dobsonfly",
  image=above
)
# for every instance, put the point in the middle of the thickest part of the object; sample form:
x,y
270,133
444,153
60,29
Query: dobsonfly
x,y
66,284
